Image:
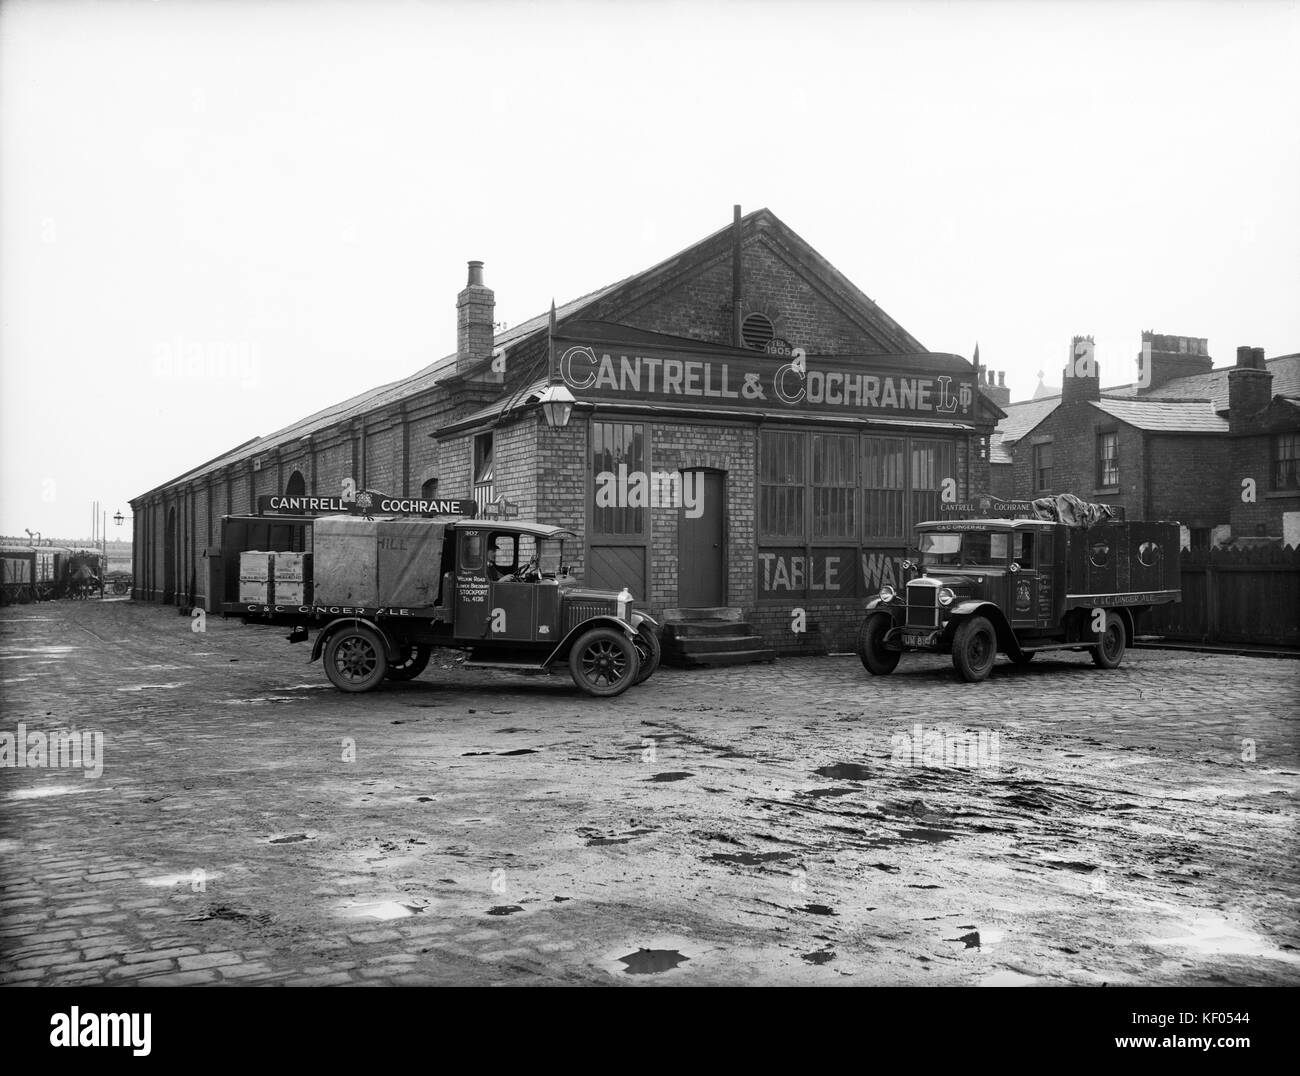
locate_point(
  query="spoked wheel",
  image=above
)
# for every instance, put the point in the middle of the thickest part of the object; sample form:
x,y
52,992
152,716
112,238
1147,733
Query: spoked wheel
x,y
417,659
974,648
1110,651
871,645
355,659
649,650
604,662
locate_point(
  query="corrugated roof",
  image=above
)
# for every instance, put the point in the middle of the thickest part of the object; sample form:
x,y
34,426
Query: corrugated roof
x,y
1191,416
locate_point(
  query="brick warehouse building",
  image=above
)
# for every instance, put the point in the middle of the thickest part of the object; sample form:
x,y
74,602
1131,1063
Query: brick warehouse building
x,y
772,486
1216,449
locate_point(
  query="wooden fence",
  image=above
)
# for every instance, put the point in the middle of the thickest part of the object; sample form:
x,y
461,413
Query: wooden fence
x,y
1234,596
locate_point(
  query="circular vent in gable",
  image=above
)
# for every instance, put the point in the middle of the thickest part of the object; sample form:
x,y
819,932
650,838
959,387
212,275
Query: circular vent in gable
x,y
756,330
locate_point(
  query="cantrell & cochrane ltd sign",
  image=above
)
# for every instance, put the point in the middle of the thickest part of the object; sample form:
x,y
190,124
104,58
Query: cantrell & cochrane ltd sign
x,y
796,382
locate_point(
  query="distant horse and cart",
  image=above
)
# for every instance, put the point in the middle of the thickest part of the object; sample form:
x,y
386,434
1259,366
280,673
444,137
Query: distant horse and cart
x,y
31,573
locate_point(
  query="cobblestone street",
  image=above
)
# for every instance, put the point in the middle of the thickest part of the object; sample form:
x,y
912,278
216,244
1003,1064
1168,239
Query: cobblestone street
x,y
799,822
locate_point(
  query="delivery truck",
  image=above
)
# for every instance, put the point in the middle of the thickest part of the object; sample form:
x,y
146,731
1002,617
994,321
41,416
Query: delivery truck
x,y
1062,577
376,595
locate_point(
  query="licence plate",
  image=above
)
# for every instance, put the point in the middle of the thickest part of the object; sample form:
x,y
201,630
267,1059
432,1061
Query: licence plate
x,y
915,638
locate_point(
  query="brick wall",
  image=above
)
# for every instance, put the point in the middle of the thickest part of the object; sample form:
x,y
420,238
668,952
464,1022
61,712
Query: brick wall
x,y
1187,478
700,306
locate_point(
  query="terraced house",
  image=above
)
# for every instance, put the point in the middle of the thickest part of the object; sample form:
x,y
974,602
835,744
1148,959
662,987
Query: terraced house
x,y
749,434
1217,449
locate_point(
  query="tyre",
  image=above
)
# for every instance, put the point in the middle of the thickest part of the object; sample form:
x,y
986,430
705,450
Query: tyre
x,y
648,650
355,659
604,662
871,647
974,648
417,660
1110,651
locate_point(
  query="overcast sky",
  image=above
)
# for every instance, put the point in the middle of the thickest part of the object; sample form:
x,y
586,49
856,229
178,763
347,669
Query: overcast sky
x,y
299,186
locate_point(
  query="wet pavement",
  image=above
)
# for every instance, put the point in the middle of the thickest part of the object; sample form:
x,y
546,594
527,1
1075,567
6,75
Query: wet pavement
x,y
799,822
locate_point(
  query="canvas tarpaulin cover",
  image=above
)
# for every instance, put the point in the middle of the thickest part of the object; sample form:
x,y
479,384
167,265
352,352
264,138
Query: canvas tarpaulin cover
x,y
377,562
1072,511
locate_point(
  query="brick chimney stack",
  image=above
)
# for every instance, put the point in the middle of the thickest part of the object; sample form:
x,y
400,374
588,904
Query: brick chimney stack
x,y
1081,379
995,389
1250,388
475,310
1165,357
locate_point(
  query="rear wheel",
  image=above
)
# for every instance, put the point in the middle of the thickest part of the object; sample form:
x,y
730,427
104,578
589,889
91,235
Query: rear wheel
x,y
1110,651
355,659
416,661
604,662
648,649
974,648
871,645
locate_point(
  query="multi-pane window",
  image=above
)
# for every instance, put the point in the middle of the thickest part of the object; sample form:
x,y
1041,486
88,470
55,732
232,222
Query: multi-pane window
x,y
618,457
825,487
781,484
1286,461
932,462
1043,467
1107,459
484,485
884,482
834,486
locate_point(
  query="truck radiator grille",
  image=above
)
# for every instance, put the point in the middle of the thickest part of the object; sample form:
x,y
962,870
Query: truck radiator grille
x,y
922,606
576,612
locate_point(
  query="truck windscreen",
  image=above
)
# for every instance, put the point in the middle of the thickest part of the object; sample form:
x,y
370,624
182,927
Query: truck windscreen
x,y
980,549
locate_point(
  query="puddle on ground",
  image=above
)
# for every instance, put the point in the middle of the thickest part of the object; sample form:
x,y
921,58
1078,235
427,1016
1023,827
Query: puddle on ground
x,y
1007,977
818,909
519,751
672,775
40,649
818,793
382,909
290,838
166,881
933,836
972,940
822,956
1216,936
651,961
750,859
152,687
845,771
43,791
504,909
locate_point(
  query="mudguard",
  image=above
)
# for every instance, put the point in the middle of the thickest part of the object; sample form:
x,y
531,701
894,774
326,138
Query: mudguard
x,y
1007,641
322,636
562,649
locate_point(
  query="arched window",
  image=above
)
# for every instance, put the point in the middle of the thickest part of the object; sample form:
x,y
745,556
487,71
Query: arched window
x,y
297,485
429,491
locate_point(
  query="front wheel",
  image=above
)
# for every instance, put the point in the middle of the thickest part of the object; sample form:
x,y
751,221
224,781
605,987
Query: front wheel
x,y
974,648
416,660
871,645
604,662
1110,651
648,650
355,659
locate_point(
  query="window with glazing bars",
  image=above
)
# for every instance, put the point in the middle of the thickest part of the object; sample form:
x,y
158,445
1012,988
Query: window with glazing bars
x,y
615,445
1042,468
884,487
1107,459
781,485
1286,461
932,462
834,486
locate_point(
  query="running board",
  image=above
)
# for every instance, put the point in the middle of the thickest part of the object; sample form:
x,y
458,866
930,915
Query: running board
x,y
512,666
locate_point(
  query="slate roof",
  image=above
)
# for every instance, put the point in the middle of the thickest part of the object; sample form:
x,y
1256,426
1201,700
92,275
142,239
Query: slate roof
x,y
1165,416
386,395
